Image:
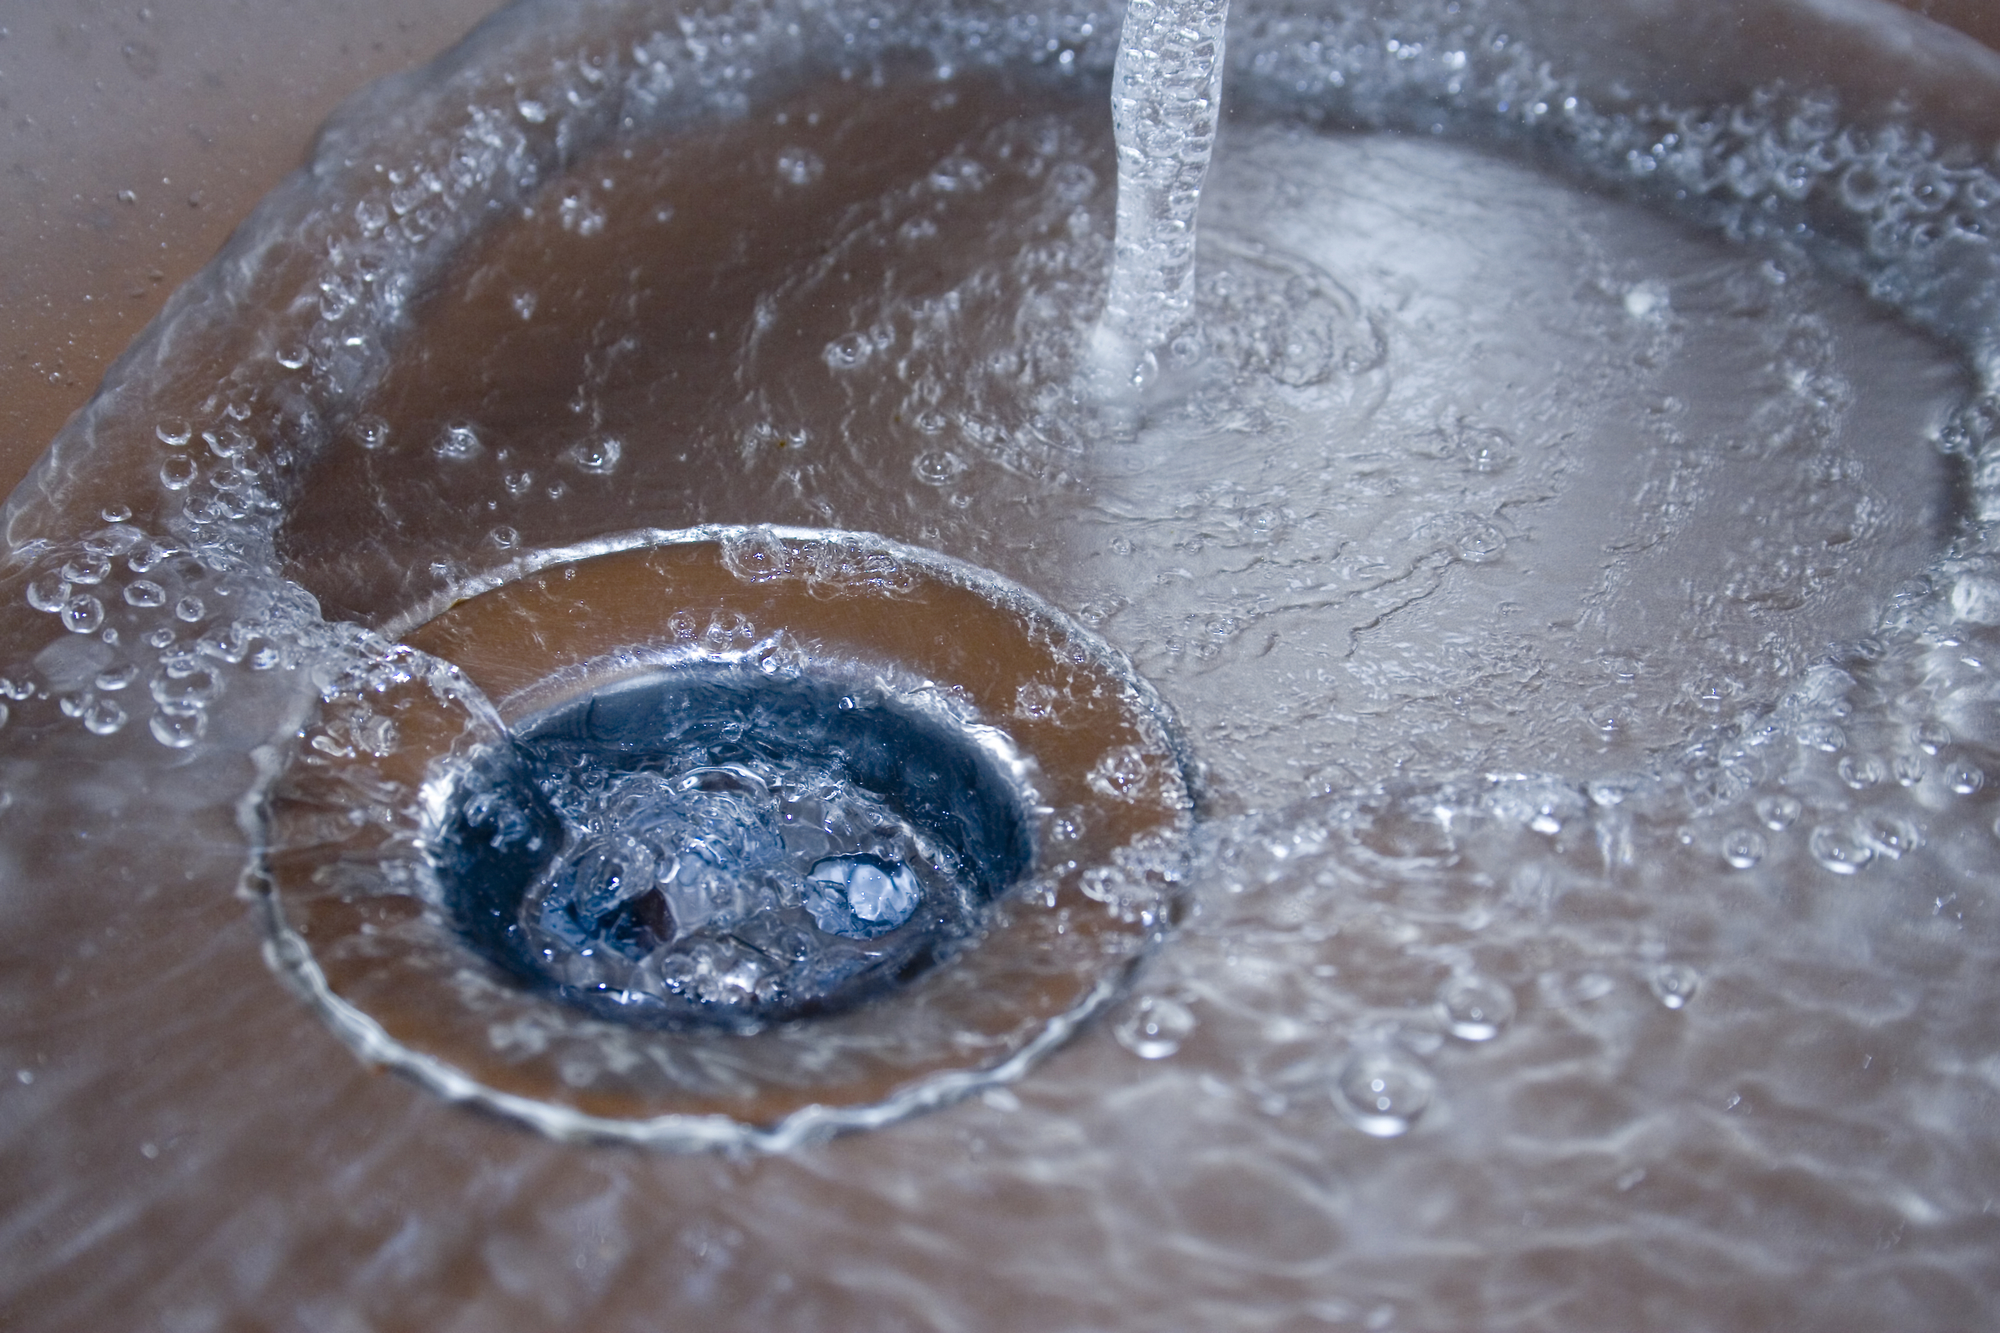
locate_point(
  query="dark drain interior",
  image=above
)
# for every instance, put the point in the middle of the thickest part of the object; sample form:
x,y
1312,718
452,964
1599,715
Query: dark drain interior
x,y
709,845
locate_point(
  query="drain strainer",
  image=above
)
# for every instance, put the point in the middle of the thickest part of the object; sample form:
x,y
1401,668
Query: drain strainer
x,y
724,836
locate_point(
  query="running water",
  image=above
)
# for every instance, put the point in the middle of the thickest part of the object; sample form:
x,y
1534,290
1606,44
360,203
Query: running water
x,y
1577,617
1166,97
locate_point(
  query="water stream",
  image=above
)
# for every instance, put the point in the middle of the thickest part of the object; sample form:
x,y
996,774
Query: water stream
x,y
1166,100
1559,524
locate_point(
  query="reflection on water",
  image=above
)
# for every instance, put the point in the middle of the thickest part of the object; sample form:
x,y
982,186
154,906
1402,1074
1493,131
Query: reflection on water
x,y
1581,622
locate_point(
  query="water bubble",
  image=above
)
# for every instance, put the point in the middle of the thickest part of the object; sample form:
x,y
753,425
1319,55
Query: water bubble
x,y
800,166
186,686
117,677
1382,1092
1779,813
1743,848
82,614
1155,1027
1822,736
1907,769
50,593
848,351
190,609
294,358
1890,835
937,467
87,569
577,212
1839,850
173,431
1480,544
1862,771
1673,984
178,472
115,513
599,455
1931,736
179,728
458,443
103,717
1965,778
370,432
149,556
1122,772
1475,1008
860,896
504,537
1486,450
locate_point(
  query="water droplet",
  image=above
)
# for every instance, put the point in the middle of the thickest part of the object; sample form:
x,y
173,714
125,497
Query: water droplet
x,y
82,614
179,728
177,472
505,538
173,431
1779,813
294,358
1481,544
103,717
48,593
1382,1092
849,350
458,443
1908,769
1862,771
1475,1008
189,609
1743,848
937,467
144,594
1839,850
1122,772
1673,984
860,896
87,569
370,432
598,455
1931,736
1965,778
800,166
1890,835
115,513
1155,1027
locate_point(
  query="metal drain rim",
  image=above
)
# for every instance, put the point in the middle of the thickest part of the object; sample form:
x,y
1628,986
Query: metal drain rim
x,y
798,569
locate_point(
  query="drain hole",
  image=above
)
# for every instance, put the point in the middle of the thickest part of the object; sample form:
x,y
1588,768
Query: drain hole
x,y
712,846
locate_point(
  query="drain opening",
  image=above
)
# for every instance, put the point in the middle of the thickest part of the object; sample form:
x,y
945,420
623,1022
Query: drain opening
x,y
711,846
722,837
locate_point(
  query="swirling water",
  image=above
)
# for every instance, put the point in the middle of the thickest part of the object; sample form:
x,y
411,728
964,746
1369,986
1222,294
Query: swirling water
x,y
1586,626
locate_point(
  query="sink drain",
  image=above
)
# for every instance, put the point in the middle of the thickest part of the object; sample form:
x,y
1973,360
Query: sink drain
x,y
715,845
734,835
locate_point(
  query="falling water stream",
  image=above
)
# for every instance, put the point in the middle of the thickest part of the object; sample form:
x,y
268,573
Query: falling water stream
x,y
1166,100
1555,511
